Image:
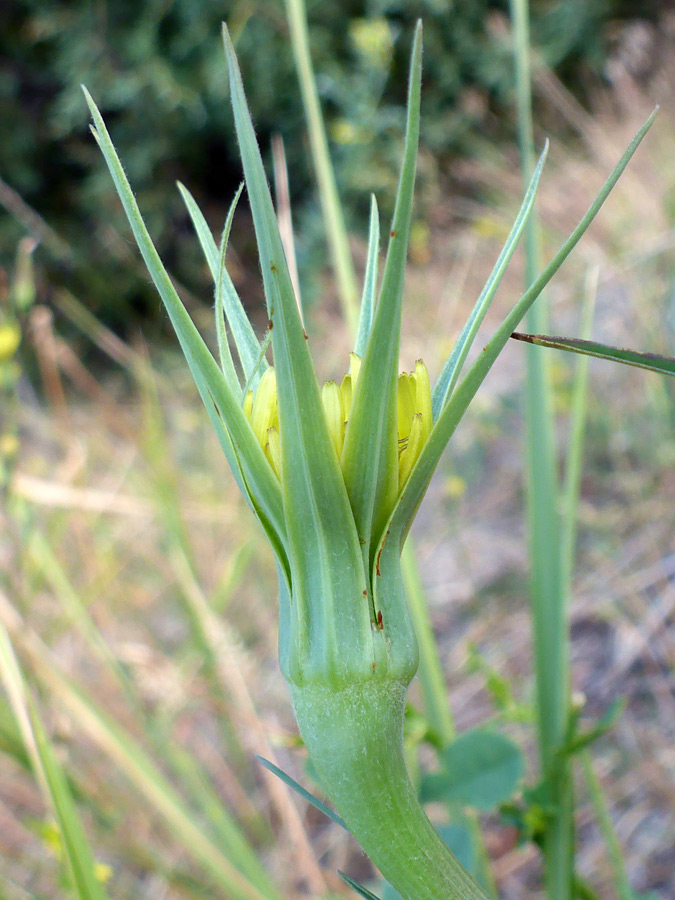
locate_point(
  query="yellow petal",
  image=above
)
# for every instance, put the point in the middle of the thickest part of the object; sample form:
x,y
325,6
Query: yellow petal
x,y
354,367
264,413
331,398
412,450
405,407
423,397
347,392
248,404
273,450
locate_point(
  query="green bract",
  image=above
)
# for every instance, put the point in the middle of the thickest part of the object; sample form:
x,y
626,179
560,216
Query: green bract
x,y
337,525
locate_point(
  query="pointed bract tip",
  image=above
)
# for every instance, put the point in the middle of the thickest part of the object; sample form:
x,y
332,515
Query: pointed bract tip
x,y
227,39
88,98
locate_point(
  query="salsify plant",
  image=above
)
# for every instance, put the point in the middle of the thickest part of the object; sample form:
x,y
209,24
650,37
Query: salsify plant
x,y
335,475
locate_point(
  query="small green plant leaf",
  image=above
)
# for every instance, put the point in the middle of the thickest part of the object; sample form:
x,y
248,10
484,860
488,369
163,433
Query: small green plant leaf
x,y
359,888
303,792
459,839
663,365
248,346
451,370
481,769
370,453
580,740
367,310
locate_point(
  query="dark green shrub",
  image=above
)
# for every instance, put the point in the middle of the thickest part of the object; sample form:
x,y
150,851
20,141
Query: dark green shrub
x,y
157,70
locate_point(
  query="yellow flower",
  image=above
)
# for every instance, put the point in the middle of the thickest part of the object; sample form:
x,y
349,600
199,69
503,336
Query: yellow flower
x,y
413,412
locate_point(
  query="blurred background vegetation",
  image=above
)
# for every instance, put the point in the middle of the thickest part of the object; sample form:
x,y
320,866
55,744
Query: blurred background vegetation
x,y
157,71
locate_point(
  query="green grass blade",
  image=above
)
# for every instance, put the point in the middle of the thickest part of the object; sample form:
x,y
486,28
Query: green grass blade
x,y
432,680
226,363
359,888
573,461
452,368
80,860
367,310
458,403
370,454
236,437
201,227
241,876
602,815
248,346
78,853
548,601
303,792
336,233
652,362
312,483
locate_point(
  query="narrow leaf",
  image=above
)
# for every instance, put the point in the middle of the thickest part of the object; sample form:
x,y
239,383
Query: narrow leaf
x,y
81,860
320,529
78,855
226,363
359,888
370,454
448,377
458,403
243,452
367,310
303,792
248,346
653,362
244,877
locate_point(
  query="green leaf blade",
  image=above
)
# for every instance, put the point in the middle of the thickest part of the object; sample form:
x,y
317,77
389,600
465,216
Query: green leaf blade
x,y
651,362
367,310
451,370
454,410
303,792
248,345
327,571
370,454
239,444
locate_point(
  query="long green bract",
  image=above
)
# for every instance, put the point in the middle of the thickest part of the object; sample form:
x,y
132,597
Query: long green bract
x,y
248,346
367,310
652,362
226,363
327,576
452,368
370,454
452,413
243,452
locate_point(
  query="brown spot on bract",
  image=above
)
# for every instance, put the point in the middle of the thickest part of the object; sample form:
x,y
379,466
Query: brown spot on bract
x,y
393,233
365,593
270,324
380,624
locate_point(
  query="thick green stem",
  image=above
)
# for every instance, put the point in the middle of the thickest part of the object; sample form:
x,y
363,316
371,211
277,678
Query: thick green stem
x,y
355,739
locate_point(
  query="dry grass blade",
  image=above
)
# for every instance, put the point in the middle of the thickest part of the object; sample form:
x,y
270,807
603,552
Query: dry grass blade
x,y
250,884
